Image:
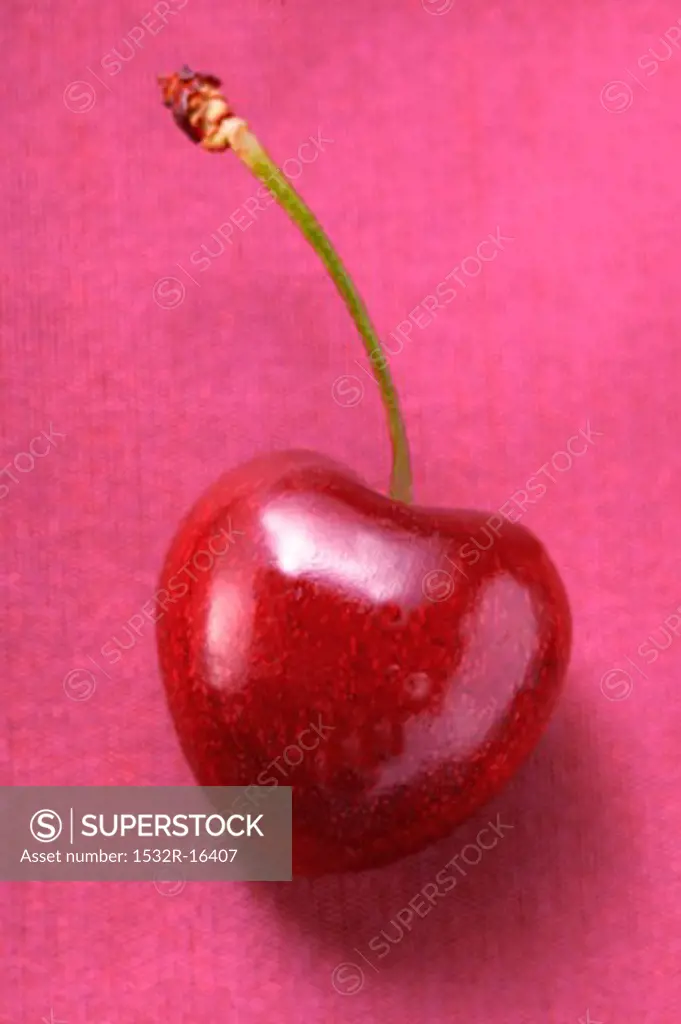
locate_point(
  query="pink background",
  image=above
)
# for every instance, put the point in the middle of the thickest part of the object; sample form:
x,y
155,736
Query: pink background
x,y
443,128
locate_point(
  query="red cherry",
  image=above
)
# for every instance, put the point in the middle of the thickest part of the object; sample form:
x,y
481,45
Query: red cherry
x,y
419,652
393,664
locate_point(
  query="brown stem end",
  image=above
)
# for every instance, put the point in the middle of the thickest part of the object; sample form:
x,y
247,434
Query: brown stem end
x,y
199,107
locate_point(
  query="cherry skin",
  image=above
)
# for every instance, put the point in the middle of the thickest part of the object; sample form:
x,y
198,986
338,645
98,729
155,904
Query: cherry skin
x,y
395,665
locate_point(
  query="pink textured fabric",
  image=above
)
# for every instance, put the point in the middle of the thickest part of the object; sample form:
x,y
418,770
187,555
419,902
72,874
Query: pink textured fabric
x,y
435,124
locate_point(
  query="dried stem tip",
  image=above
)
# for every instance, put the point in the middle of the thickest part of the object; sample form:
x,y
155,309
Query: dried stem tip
x,y
199,107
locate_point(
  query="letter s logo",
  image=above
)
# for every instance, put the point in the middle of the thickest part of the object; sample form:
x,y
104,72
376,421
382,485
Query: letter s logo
x,y
45,826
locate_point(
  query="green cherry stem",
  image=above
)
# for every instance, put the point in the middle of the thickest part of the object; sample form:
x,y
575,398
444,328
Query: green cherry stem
x,y
203,112
258,161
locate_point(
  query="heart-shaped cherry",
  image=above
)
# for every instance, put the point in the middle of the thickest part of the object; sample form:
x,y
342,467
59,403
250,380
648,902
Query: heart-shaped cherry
x,y
319,635
394,665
